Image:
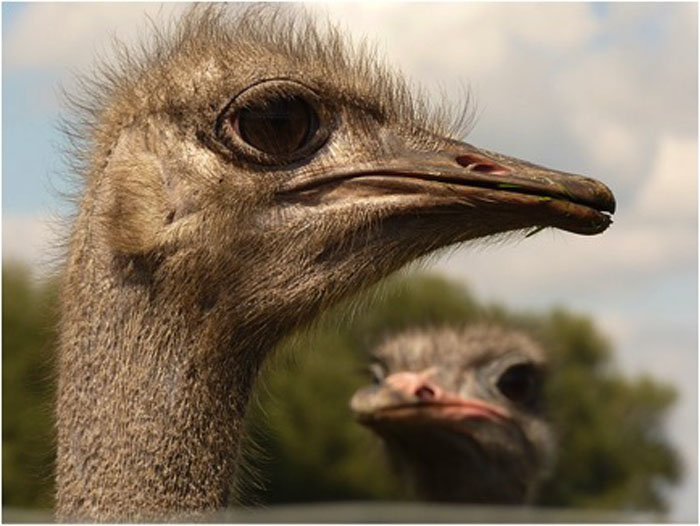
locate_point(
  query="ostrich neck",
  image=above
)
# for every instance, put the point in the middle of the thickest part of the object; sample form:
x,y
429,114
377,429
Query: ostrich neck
x,y
152,395
445,467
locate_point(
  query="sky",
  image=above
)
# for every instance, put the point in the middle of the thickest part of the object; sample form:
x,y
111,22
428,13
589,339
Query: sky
x,y
606,90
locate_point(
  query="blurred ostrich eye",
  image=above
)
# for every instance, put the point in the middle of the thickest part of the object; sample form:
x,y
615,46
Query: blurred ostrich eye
x,y
519,384
378,372
280,126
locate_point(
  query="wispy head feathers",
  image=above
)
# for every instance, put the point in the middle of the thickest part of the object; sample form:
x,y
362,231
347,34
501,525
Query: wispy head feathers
x,y
198,61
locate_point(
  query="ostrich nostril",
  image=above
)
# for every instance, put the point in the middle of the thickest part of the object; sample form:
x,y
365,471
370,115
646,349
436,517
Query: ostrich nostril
x,y
425,393
467,160
479,164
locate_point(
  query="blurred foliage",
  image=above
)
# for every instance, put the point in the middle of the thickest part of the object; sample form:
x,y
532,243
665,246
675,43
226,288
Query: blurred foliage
x,y
27,389
304,443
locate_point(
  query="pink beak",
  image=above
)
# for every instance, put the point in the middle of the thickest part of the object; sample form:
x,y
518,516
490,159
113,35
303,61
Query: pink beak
x,y
427,393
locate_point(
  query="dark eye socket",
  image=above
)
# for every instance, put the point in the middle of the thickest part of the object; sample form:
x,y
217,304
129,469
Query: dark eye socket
x,y
280,126
520,384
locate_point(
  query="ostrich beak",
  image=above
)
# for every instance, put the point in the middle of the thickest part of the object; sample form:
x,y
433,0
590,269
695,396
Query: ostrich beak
x,y
412,397
461,175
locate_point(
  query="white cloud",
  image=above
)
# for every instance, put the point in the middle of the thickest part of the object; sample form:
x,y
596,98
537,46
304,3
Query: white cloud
x,y
560,26
565,264
75,31
32,239
670,194
474,39
612,143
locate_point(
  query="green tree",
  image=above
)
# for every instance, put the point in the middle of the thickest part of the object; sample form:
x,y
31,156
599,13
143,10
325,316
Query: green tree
x,y
613,453
28,313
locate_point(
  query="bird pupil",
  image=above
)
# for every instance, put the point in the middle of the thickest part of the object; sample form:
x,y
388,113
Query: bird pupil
x,y
519,383
281,126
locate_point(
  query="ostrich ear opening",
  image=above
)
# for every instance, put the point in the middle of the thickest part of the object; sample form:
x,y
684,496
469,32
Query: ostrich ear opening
x,y
139,198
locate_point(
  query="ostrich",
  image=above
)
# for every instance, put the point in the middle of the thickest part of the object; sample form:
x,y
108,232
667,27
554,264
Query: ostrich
x,y
241,173
460,413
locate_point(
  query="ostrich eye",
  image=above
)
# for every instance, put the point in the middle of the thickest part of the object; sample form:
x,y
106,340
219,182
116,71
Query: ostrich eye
x,y
519,384
378,372
279,127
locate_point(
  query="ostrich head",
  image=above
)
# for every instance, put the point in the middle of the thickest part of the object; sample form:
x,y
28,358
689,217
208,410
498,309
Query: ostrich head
x,y
460,412
268,170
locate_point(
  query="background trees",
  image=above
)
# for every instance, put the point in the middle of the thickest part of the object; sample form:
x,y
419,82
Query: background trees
x,y
27,389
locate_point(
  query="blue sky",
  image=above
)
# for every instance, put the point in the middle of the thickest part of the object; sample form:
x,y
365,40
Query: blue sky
x,y
608,90
29,133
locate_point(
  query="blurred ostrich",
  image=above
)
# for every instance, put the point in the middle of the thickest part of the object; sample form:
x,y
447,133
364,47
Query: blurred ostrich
x,y
460,413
